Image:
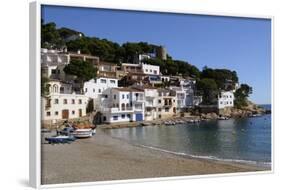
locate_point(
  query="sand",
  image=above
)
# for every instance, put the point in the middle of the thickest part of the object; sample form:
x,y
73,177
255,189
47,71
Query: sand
x,y
103,158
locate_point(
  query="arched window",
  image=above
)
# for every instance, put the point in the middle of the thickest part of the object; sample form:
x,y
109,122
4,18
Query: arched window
x,y
127,105
55,88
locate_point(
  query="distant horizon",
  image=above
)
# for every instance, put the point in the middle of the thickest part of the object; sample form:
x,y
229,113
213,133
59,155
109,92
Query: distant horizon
x,y
239,44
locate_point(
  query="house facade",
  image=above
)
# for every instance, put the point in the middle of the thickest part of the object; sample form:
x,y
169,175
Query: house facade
x,y
225,99
122,105
166,105
62,103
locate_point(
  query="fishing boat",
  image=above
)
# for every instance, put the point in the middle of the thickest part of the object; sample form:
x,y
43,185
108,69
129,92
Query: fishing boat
x,y
83,133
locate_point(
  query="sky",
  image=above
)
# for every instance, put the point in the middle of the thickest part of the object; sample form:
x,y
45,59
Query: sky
x,y
240,44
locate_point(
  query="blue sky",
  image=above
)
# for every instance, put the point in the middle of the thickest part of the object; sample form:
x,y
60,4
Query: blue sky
x,y
240,44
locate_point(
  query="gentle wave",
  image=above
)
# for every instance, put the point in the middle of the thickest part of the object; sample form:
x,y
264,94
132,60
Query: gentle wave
x,y
265,164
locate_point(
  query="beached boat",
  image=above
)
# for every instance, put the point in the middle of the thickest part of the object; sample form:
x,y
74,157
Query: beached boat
x,y
83,133
60,139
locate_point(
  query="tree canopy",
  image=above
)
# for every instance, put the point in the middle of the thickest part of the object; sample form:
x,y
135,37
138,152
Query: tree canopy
x,y
208,88
83,70
241,95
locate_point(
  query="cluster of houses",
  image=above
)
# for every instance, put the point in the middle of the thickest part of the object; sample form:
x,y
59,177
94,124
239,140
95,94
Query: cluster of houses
x,y
124,93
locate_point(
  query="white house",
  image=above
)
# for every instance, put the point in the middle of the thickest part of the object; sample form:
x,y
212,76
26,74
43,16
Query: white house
x,y
94,87
62,103
225,99
150,69
122,105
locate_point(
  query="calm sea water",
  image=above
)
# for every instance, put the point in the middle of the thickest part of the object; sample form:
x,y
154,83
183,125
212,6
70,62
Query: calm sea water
x,y
239,140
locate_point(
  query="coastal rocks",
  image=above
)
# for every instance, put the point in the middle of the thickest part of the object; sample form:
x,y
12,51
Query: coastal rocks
x,y
208,116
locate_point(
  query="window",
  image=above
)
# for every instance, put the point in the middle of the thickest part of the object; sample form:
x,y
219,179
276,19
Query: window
x,y
73,101
99,90
93,90
104,118
150,70
86,89
146,70
114,96
80,101
123,116
115,117
48,113
103,81
56,101
159,109
112,81
64,101
53,71
159,101
73,112
56,113
128,116
221,102
105,96
155,72
128,96
123,96
166,109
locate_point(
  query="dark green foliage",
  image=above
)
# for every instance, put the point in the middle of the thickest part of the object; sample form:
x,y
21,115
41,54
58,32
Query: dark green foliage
x,y
241,95
83,70
224,78
66,32
208,89
50,37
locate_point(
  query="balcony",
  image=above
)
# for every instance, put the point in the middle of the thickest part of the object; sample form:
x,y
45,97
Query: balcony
x,y
117,110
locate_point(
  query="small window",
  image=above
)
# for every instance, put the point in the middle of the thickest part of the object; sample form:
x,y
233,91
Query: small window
x,y
166,109
123,116
80,101
73,101
115,117
48,113
56,113
112,81
103,81
86,89
114,96
146,70
64,101
105,96
93,90
56,101
123,96
128,116
150,70
73,112
99,90
54,71
127,96
159,101
155,72
159,109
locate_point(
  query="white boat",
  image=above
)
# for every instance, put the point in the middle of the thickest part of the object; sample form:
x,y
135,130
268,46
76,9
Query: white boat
x,y
83,133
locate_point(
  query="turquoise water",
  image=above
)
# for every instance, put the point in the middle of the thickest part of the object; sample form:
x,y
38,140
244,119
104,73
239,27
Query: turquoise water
x,y
239,140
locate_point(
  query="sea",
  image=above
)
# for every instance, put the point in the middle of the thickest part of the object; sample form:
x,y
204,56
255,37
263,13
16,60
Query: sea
x,y
245,140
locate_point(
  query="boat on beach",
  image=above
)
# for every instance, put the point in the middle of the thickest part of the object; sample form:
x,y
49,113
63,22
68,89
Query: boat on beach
x,y
60,139
83,133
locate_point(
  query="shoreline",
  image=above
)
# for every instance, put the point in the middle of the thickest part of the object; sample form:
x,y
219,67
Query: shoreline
x,y
103,158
